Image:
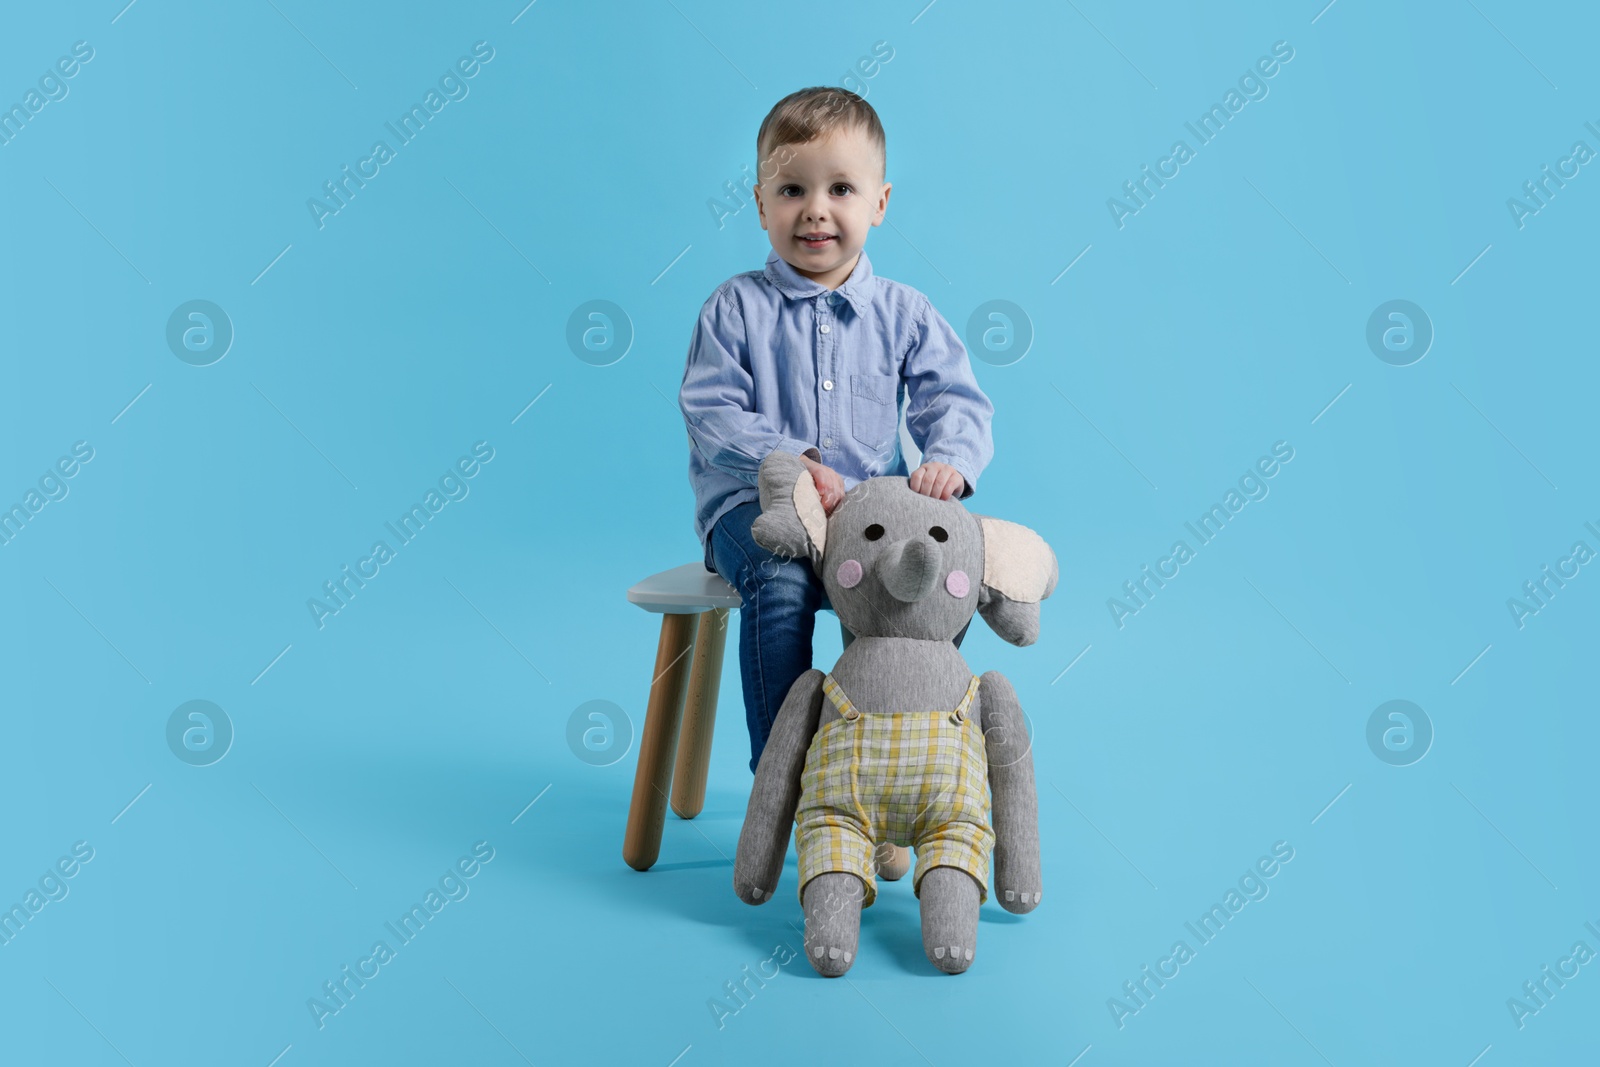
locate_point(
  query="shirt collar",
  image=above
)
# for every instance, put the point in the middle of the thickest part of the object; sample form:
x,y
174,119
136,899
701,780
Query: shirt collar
x,y
857,288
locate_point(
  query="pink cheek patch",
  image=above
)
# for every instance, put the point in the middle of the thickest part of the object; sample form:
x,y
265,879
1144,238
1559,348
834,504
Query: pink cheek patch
x,y
957,584
849,574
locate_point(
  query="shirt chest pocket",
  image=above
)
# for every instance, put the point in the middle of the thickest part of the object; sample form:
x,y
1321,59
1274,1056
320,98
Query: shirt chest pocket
x,y
874,413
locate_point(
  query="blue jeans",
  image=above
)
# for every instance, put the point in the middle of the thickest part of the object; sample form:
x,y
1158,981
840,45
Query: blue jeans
x,y
781,601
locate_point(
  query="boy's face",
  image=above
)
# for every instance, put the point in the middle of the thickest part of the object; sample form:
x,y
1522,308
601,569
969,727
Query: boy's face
x,y
831,186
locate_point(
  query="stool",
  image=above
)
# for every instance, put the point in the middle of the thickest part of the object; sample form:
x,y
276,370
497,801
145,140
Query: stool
x,y
675,741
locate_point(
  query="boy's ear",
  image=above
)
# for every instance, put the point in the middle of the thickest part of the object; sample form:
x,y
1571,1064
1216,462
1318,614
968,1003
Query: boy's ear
x,y
792,522
1019,570
761,207
883,204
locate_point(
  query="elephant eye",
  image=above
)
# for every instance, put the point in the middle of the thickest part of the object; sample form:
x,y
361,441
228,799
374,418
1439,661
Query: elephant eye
x,y
938,534
874,532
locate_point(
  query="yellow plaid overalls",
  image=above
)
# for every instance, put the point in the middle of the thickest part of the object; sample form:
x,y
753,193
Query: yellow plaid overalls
x,y
912,778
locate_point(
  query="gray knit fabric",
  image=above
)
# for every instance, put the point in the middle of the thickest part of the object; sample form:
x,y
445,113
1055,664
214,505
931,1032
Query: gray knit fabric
x,y
1015,802
903,612
832,903
949,918
769,817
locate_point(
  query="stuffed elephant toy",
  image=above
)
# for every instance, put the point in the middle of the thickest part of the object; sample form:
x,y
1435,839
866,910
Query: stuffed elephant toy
x,y
901,743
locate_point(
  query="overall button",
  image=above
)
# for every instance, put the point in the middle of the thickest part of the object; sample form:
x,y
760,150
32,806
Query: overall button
x,y
827,385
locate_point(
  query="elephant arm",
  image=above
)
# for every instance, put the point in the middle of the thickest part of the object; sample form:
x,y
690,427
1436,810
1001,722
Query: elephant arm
x,y
769,818
1015,810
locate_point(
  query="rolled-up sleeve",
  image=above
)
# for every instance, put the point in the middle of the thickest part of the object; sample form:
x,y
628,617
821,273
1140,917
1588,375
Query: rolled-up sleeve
x,y
947,415
717,397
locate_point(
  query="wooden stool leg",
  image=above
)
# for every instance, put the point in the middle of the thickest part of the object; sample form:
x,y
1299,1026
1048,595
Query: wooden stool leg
x,y
657,742
699,715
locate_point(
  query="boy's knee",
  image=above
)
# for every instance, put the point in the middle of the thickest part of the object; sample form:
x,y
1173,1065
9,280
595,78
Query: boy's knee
x,y
782,575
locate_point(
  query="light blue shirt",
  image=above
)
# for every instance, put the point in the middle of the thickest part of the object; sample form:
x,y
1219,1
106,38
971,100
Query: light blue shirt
x,y
780,361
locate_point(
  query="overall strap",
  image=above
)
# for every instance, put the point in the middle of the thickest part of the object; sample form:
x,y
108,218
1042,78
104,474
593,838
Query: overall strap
x,y
960,714
848,711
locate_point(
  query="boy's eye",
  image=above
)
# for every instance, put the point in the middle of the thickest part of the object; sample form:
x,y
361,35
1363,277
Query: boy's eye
x,y
788,190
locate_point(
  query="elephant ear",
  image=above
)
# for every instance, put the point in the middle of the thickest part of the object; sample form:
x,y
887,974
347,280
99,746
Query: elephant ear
x,y
792,522
1019,570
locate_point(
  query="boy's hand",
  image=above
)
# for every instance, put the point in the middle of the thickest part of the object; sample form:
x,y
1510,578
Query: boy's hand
x,y
830,485
938,480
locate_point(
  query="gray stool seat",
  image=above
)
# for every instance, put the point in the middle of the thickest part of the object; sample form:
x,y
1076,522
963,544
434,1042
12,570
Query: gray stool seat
x,y
684,590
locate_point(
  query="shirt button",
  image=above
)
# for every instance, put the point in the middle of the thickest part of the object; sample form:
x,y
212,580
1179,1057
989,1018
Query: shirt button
x,y
827,385
825,327
827,442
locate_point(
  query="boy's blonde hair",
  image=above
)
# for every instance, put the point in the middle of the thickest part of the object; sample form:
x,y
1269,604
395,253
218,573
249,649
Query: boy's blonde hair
x,y
808,114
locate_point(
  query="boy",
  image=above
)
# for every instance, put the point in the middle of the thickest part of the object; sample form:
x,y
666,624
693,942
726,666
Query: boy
x,y
812,355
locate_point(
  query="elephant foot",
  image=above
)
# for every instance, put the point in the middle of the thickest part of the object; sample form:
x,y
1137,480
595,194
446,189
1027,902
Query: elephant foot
x,y
832,904
950,900
751,894
1016,882
891,861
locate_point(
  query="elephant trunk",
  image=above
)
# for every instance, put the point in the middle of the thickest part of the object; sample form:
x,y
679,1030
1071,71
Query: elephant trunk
x,y
910,569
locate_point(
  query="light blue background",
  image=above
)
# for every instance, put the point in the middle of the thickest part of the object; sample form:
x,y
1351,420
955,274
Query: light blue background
x,y
425,716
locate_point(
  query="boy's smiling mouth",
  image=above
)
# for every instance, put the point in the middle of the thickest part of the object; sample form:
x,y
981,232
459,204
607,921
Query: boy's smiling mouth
x,y
817,240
